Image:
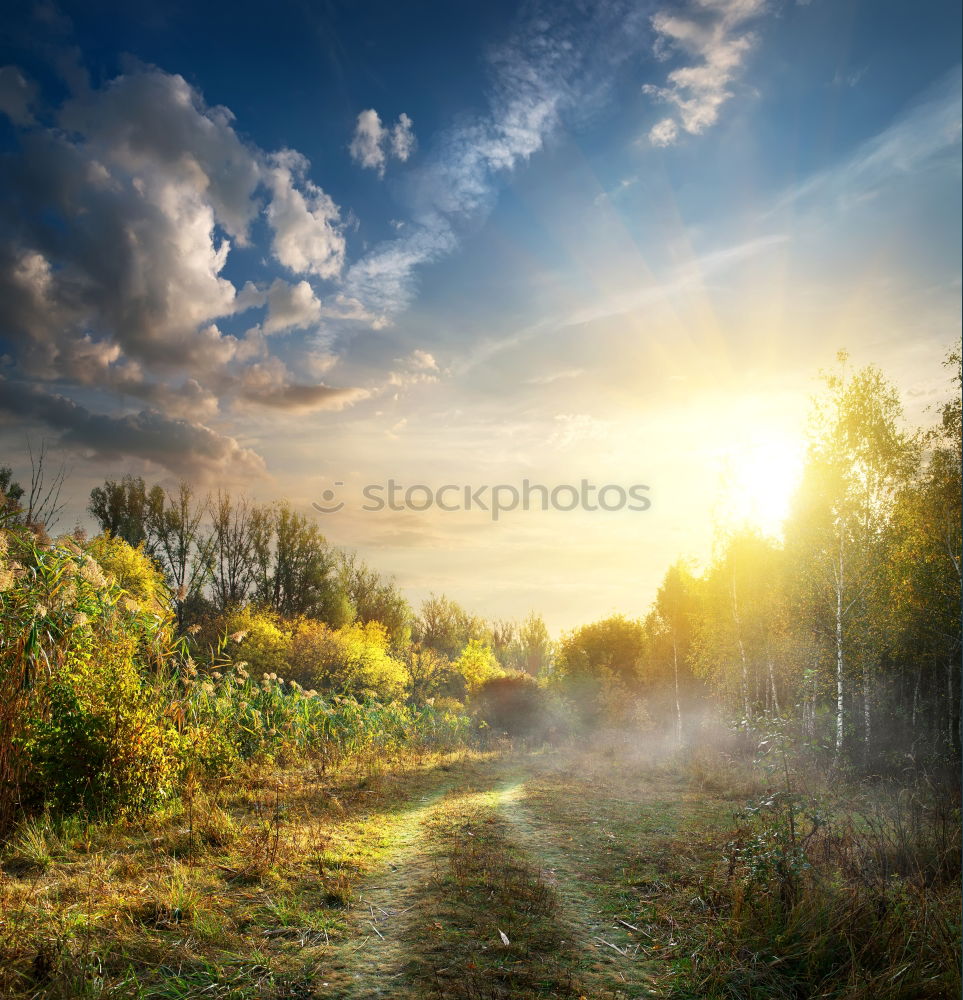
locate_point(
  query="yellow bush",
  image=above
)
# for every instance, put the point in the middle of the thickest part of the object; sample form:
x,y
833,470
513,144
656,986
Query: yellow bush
x,y
477,664
132,570
353,660
260,638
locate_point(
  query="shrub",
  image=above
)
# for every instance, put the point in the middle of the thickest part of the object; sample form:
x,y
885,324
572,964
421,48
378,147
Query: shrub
x,y
261,639
351,660
514,704
477,664
133,571
79,727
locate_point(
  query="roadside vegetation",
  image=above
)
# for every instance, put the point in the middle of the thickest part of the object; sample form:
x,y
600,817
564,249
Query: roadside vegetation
x,y
234,762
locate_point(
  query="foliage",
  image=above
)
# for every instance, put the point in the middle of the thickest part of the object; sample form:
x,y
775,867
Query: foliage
x,y
513,704
355,659
132,570
477,664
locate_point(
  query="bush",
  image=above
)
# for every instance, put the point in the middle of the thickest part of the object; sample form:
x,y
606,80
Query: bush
x,y
261,640
133,571
79,728
353,660
477,664
514,704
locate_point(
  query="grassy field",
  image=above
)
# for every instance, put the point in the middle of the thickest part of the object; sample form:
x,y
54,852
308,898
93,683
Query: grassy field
x,y
510,873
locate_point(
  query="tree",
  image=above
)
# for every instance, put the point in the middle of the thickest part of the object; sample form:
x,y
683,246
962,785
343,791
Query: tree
x,y
599,666
173,521
532,649
375,598
839,531
127,509
297,570
446,627
674,606
237,525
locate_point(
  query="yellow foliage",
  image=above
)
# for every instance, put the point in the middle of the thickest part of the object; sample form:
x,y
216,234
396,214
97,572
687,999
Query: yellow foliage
x,y
477,664
133,571
354,659
261,639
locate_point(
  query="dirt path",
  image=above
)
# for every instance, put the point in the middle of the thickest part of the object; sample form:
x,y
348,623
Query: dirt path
x,y
509,882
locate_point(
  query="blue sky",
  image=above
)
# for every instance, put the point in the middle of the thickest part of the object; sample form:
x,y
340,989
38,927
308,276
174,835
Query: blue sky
x,y
279,246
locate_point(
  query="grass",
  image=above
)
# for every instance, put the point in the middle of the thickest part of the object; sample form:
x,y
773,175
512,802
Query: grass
x,y
612,875
262,867
488,926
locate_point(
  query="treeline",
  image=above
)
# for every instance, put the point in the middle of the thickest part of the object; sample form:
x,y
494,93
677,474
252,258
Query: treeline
x,y
849,627
309,609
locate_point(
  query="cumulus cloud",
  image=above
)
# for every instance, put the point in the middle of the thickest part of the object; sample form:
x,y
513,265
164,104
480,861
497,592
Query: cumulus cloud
x,y
307,235
713,38
291,306
373,143
120,218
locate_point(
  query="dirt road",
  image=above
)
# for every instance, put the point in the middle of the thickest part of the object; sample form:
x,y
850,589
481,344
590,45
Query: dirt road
x,y
528,875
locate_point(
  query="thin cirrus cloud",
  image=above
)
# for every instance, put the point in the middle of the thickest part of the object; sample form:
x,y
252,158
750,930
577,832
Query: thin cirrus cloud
x,y
373,144
714,38
550,67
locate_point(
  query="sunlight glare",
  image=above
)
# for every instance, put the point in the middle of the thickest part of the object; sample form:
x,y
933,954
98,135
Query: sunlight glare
x,y
757,478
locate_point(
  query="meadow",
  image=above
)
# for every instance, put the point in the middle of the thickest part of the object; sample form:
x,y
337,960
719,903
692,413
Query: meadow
x,y
234,762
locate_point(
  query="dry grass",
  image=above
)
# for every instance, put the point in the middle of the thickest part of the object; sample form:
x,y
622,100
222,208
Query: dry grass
x,y
233,891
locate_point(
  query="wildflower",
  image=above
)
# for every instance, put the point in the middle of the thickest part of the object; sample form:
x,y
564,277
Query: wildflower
x,y
207,689
193,629
79,619
273,676
238,636
241,664
243,705
131,605
265,677
311,694
217,676
40,611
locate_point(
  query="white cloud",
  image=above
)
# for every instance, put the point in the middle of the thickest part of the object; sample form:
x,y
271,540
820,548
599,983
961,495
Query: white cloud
x,y
373,143
551,65
403,138
664,133
119,224
307,234
291,306
712,34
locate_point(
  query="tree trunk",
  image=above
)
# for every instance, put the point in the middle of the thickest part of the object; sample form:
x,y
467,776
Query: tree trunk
x,y
678,706
839,656
772,682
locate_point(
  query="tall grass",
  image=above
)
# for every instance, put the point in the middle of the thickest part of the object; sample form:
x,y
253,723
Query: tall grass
x,y
850,891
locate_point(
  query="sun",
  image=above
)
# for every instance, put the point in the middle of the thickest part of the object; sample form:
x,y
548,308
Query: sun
x,y
757,479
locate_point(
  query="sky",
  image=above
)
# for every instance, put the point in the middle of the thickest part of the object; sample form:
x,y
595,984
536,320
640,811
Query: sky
x,y
308,250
